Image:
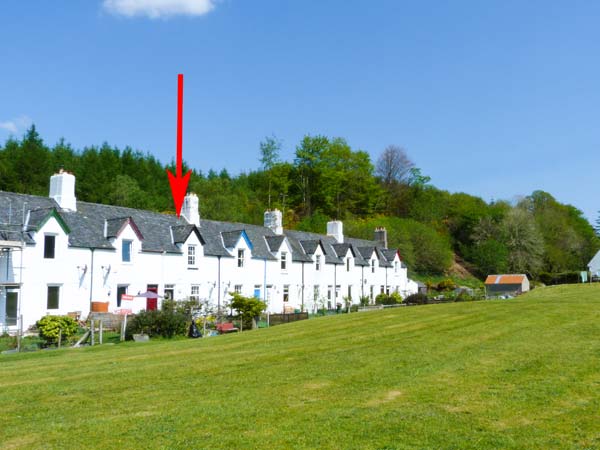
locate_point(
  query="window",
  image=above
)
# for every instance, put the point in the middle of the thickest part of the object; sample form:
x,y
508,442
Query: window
x,y
191,255
329,292
257,290
269,290
53,296
318,262
241,257
382,289
316,293
237,288
348,264
169,291
372,266
126,250
350,291
396,266
337,291
372,292
283,261
49,246
286,292
195,292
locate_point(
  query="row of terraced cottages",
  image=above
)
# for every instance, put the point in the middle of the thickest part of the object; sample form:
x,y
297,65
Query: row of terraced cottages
x,y
59,255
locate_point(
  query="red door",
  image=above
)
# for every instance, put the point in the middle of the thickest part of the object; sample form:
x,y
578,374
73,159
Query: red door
x,y
152,303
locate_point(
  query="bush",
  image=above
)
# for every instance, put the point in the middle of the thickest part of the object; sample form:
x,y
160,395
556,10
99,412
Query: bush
x,y
416,299
559,278
51,327
167,322
354,308
384,299
446,285
364,301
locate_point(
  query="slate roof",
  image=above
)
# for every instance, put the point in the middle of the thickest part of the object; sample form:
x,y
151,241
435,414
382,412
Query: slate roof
x,y
163,232
274,242
182,232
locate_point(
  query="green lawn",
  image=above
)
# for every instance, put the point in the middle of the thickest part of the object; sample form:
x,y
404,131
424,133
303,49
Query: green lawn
x,y
521,373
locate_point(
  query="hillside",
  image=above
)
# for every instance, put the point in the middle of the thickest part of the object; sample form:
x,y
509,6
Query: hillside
x,y
512,374
329,179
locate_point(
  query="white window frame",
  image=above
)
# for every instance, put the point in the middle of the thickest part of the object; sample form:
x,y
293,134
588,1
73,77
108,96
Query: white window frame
x,y
283,261
125,242
286,293
191,255
241,257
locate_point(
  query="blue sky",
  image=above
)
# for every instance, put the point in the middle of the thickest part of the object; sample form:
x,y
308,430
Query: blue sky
x,y
494,98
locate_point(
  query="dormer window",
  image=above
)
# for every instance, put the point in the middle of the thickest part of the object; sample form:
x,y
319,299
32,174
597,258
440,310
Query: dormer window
x,y
49,246
126,246
283,261
318,262
396,266
372,266
191,254
240,258
348,264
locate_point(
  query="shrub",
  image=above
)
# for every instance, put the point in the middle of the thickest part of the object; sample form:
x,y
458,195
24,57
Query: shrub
x,y
446,285
416,299
51,327
167,322
559,278
395,298
384,299
364,301
354,308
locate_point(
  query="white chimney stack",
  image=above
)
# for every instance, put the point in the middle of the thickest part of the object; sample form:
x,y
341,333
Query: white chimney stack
x,y
62,190
274,221
335,228
190,210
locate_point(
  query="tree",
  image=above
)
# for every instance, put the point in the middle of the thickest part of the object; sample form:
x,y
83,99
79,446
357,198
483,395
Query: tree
x,y
523,241
270,147
248,307
417,179
393,165
269,156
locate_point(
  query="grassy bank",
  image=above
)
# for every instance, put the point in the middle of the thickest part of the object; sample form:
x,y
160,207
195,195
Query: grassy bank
x,y
520,373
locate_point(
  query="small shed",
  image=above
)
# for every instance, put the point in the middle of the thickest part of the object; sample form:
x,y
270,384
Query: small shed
x,y
513,284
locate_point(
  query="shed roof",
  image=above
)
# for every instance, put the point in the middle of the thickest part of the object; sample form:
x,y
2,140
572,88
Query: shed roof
x,y
506,279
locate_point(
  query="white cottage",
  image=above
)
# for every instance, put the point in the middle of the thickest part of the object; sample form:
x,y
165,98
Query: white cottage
x,y
59,255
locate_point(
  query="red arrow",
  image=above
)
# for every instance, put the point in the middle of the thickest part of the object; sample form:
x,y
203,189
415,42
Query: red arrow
x,y
179,183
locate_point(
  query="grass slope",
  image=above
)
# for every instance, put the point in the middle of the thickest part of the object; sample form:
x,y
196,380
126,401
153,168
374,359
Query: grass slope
x,y
522,373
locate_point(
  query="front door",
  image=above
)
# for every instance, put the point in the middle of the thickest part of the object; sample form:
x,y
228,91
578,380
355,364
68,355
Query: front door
x,y
12,305
152,303
121,290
